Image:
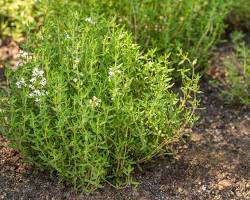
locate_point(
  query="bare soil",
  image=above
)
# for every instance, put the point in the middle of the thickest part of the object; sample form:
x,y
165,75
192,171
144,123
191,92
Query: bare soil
x,y
213,164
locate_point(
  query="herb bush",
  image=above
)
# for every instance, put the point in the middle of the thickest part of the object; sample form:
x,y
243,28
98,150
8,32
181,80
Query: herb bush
x,y
193,25
239,17
15,15
236,86
89,105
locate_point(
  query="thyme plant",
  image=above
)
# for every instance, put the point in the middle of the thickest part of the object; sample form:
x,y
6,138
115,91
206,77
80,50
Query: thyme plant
x,y
89,105
236,85
239,16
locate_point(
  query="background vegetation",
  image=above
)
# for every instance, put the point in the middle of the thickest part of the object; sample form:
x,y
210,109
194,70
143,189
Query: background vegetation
x,y
16,15
193,25
239,17
235,86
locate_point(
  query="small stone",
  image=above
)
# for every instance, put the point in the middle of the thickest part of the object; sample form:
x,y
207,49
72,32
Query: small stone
x,y
224,184
196,137
180,189
204,188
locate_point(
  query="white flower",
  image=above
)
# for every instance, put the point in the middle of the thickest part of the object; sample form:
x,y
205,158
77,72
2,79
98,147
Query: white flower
x,y
22,58
43,82
22,54
33,79
37,72
111,73
31,86
75,80
37,84
90,20
37,100
95,101
37,75
37,92
21,83
67,36
18,84
31,94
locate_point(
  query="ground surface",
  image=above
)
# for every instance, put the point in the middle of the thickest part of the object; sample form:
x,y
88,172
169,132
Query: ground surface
x,y
214,164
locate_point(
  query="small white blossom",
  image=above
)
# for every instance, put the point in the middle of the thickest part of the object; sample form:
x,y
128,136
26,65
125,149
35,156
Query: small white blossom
x,y
31,86
111,73
18,84
22,58
21,83
37,92
33,80
67,36
37,84
22,54
43,82
90,20
37,72
95,101
37,100
31,94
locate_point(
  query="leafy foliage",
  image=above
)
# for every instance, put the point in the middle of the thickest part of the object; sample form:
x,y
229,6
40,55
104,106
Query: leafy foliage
x,y
193,25
15,15
236,86
89,105
239,17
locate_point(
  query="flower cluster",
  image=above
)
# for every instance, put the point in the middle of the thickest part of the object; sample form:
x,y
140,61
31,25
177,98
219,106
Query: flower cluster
x,y
78,79
37,84
22,54
21,83
90,20
113,71
95,101
23,57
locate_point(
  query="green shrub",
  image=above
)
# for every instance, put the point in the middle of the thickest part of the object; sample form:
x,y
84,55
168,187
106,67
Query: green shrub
x,y
89,105
236,86
15,15
239,17
193,25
